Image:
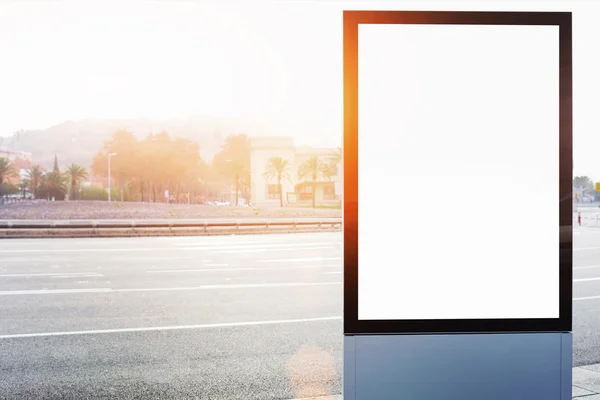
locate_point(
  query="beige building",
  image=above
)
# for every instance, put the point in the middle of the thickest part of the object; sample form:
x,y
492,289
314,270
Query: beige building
x,y
296,191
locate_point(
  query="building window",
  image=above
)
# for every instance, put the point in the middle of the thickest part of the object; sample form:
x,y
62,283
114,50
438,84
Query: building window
x,y
273,191
333,170
329,192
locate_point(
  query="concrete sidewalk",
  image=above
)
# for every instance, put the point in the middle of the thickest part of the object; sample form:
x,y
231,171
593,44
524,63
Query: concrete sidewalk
x,y
586,382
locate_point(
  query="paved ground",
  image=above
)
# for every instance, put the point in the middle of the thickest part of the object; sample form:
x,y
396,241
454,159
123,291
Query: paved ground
x,y
252,317
586,296
586,382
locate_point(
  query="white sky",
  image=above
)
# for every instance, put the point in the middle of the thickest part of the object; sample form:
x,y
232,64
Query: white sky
x,y
279,61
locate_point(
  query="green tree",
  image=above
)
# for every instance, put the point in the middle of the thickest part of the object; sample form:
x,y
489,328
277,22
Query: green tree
x,y
313,168
336,156
585,182
7,170
35,179
278,168
7,189
55,184
123,164
23,186
75,173
233,161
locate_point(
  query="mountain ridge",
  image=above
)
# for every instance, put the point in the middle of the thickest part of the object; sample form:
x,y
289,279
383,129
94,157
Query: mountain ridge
x,y
78,141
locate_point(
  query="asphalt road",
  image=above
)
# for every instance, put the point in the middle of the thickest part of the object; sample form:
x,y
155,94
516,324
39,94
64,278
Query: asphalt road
x,y
235,317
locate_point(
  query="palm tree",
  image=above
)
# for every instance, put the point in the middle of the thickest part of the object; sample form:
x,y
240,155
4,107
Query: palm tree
x,y
75,173
336,156
278,168
24,185
7,170
56,183
35,179
313,168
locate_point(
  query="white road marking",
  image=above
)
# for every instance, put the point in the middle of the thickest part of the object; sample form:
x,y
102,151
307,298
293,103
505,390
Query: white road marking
x,y
586,248
55,274
117,249
234,286
586,298
586,279
169,328
302,259
587,267
255,242
33,259
166,289
257,245
165,271
276,249
216,265
76,250
331,273
152,258
54,291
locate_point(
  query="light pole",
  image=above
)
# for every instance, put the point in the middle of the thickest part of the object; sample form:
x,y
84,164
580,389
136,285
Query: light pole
x,y
109,156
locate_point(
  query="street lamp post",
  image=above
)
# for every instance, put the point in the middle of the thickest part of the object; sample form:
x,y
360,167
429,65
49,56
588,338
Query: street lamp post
x,y
109,156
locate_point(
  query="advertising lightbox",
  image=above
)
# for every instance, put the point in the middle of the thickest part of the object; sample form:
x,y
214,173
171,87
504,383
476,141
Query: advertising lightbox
x,y
457,155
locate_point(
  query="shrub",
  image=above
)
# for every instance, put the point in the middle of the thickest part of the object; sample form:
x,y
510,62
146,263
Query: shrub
x,y
94,193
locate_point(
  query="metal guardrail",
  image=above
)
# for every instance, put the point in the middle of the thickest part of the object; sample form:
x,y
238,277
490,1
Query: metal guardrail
x,y
204,223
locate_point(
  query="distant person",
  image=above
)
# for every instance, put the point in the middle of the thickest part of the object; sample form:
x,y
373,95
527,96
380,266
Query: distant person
x,y
579,219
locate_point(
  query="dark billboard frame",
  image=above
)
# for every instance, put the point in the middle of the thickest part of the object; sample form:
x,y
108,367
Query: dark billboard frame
x,y
354,326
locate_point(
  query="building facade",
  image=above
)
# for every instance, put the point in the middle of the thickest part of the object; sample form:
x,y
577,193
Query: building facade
x,y
296,191
21,162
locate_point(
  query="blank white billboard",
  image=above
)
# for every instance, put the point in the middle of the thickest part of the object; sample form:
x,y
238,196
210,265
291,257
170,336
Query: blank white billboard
x,y
458,152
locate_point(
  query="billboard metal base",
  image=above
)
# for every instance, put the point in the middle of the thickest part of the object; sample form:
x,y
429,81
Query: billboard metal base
x,y
506,366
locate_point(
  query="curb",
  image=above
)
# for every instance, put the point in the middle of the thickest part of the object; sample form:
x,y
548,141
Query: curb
x,y
336,397
158,231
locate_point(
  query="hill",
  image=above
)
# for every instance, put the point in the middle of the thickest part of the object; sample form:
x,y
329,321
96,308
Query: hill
x,y
78,141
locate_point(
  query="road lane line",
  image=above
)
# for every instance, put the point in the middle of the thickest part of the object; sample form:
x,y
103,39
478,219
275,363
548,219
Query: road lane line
x,y
169,328
232,286
117,249
165,271
586,298
257,245
152,258
54,291
586,279
260,242
277,249
102,250
302,259
54,274
166,289
587,267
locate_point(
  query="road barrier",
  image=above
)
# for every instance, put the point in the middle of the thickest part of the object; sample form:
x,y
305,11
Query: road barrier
x,y
587,219
124,228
